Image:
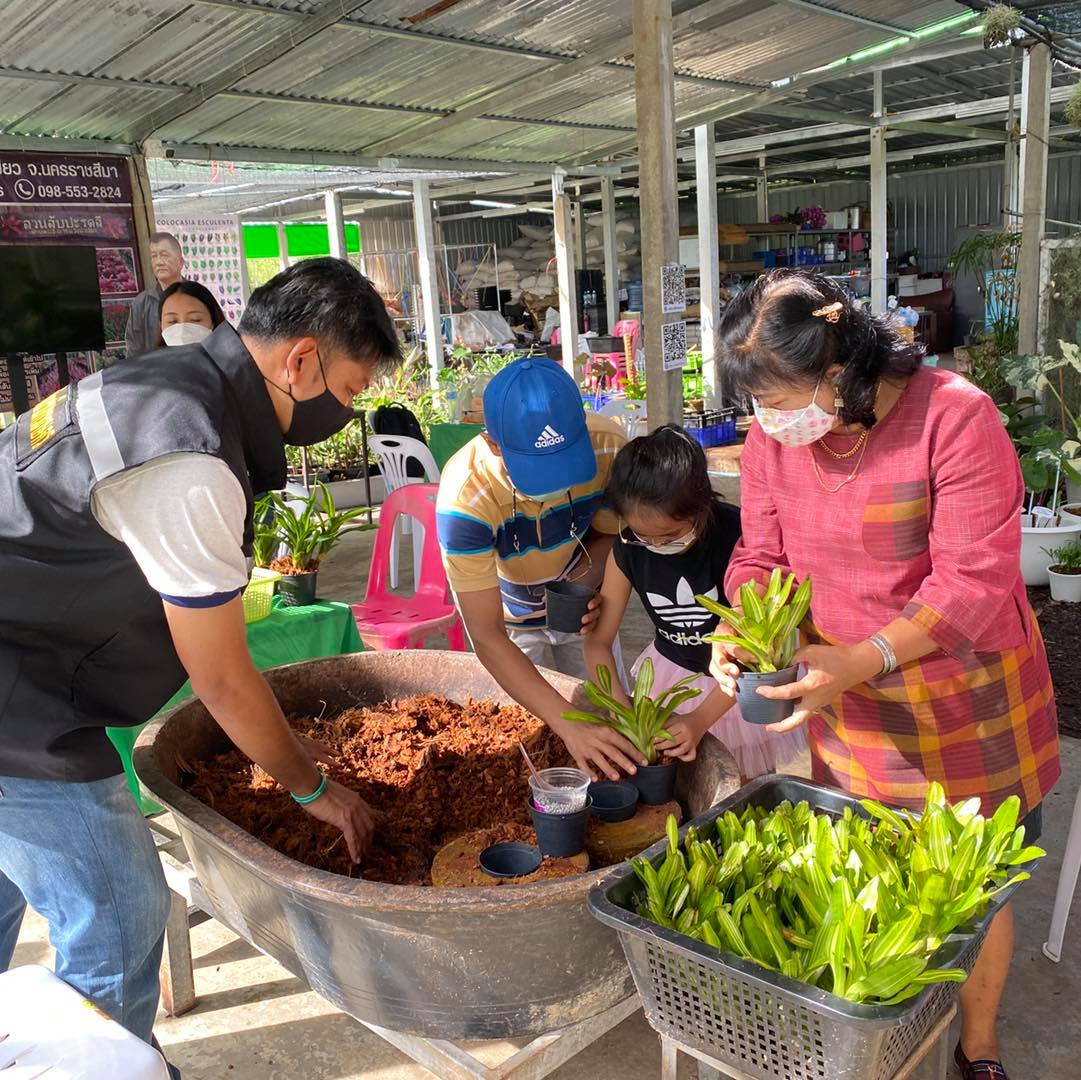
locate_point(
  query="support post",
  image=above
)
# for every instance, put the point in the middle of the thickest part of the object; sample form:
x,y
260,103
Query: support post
x,y
428,277
565,275
283,247
1035,131
761,191
142,208
878,199
579,234
611,263
1011,209
655,115
335,224
245,281
708,257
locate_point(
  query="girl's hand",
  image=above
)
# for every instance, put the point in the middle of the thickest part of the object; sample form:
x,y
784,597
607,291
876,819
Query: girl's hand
x,y
830,671
687,732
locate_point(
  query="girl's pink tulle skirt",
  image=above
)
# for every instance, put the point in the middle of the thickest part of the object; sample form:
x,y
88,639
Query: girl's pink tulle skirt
x,y
755,749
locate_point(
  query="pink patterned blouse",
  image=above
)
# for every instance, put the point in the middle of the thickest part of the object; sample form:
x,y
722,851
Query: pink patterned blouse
x,y
929,529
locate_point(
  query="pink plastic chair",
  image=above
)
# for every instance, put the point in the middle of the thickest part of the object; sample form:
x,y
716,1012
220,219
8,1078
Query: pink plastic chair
x,y
386,621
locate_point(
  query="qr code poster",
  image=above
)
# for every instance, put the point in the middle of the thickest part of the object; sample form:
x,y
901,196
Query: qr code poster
x,y
673,288
674,345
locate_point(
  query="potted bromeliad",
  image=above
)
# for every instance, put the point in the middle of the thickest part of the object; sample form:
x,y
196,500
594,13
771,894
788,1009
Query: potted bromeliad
x,y
306,536
1065,571
641,721
764,626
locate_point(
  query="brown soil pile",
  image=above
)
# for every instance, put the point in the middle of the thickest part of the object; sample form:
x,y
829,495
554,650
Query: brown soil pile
x,y
430,768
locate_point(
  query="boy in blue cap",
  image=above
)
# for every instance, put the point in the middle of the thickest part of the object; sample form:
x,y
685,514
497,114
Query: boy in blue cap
x,y
520,507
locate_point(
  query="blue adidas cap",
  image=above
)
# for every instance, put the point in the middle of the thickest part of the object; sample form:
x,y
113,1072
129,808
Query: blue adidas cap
x,y
533,411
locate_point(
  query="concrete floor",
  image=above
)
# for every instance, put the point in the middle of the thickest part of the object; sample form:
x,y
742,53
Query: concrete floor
x,y
255,1021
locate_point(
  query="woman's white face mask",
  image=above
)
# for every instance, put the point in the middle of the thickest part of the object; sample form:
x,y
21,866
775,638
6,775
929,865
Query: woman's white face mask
x,y
185,333
796,427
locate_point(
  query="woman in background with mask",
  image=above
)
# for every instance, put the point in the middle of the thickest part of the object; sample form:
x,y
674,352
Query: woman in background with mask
x,y
676,537
189,313
896,489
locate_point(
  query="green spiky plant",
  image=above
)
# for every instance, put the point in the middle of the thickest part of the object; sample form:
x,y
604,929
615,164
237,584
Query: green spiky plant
x,y
643,722
766,626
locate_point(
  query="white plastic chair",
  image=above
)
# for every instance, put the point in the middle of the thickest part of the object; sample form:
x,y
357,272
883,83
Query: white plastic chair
x,y
394,453
630,414
1067,882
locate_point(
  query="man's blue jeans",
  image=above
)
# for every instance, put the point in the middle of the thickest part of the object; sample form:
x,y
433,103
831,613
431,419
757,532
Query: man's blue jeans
x,y
82,856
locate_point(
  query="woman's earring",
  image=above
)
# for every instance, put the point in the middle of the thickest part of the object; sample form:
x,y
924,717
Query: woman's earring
x,y
838,401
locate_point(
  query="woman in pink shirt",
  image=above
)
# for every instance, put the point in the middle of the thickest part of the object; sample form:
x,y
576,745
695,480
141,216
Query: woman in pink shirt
x,y
896,489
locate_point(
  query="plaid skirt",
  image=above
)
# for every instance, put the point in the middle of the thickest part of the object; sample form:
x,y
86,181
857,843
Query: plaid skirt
x,y
986,725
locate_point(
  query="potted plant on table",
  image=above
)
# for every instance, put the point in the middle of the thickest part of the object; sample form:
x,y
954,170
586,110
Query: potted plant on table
x,y
642,723
764,626
308,534
1065,572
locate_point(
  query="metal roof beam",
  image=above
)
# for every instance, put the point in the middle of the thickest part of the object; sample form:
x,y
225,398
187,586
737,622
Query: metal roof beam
x,y
326,14
614,44
286,98
48,144
802,112
915,52
383,30
256,154
822,9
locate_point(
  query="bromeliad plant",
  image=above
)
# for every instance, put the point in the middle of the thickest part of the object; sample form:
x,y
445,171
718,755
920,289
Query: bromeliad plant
x,y
854,906
642,722
766,625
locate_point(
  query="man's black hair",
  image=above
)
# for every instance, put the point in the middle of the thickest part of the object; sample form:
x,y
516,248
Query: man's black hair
x,y
327,299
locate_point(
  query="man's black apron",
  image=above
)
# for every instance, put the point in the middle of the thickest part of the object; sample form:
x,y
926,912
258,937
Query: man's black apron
x,y
83,638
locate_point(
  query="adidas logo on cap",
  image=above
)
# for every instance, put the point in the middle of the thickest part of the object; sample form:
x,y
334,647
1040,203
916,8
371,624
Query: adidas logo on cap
x,y
549,437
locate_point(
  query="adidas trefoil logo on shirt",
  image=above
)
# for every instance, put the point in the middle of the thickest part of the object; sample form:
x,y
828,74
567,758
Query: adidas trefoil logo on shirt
x,y
549,437
682,611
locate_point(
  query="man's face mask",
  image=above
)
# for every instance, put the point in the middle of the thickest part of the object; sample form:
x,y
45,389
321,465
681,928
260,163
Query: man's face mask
x,y
317,418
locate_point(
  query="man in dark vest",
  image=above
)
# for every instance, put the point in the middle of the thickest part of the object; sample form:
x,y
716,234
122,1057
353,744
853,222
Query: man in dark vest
x,y
125,524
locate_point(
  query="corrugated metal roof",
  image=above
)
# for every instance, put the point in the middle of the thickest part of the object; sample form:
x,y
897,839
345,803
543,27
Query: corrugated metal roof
x,y
391,76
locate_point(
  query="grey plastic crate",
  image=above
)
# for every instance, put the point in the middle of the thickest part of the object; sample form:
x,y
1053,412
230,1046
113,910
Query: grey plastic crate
x,y
766,1025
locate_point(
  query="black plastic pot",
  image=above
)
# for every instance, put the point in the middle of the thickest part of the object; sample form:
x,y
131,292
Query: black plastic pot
x,y
567,602
613,801
756,709
561,835
510,859
298,590
656,784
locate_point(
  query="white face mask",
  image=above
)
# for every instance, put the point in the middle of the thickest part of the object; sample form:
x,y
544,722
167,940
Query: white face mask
x,y
796,427
673,547
185,333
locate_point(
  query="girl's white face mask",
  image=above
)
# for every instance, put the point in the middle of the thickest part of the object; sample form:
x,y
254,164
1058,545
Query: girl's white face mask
x,y
796,427
184,333
673,547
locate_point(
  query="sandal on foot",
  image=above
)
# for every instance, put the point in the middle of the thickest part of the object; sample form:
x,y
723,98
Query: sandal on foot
x,y
983,1069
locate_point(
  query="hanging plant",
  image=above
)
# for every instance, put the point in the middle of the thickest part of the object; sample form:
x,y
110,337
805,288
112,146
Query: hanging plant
x,y
998,22
1073,106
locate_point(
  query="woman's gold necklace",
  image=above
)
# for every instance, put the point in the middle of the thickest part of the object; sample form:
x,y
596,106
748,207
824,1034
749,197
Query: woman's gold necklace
x,y
860,447
861,439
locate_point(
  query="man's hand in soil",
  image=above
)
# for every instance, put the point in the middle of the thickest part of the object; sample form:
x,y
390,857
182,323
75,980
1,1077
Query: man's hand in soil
x,y
598,750
317,750
345,810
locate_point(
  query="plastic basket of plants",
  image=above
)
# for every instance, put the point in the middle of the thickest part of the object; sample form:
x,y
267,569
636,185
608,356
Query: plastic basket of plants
x,y
258,595
797,933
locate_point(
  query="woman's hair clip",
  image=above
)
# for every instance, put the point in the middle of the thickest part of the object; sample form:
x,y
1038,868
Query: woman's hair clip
x,y
831,312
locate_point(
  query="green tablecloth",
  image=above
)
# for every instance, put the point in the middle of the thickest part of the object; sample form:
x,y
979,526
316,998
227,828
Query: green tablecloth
x,y
284,637
445,440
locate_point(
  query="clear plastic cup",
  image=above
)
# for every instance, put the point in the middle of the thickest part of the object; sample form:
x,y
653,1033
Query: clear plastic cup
x,y
565,792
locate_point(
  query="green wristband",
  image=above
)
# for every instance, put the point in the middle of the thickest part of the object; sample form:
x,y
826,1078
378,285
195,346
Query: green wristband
x,y
305,799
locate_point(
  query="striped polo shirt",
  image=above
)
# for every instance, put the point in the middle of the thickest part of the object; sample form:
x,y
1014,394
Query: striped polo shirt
x,y
493,537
